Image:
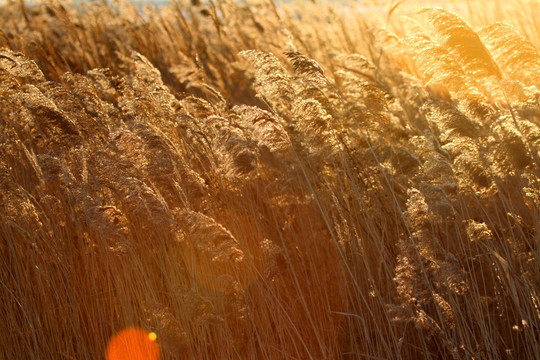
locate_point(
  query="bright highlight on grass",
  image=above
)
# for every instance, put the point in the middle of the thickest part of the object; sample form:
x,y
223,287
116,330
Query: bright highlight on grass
x,y
133,344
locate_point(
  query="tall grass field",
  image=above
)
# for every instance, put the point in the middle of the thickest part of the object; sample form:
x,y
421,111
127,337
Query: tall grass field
x,y
220,179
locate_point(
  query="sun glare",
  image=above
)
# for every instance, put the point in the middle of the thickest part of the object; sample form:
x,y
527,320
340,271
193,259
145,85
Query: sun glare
x,y
133,344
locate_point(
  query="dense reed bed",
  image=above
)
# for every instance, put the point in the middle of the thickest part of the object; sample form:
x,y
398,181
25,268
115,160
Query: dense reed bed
x,y
262,181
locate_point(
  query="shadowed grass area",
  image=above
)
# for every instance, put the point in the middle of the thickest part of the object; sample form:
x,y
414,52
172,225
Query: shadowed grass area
x,y
259,181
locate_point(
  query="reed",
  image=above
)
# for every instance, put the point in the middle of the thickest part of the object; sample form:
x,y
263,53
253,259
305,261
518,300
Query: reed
x,y
253,180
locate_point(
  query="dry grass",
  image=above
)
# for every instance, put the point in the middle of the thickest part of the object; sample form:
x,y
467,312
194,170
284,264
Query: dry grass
x,y
270,182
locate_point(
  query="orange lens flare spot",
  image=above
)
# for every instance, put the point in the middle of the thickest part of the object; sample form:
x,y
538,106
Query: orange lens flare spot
x,y
133,344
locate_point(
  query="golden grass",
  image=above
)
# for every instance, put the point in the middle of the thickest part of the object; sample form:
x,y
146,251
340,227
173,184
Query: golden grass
x,y
270,181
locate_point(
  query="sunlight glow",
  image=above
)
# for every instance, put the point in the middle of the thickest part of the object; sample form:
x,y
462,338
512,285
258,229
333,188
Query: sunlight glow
x,y
133,344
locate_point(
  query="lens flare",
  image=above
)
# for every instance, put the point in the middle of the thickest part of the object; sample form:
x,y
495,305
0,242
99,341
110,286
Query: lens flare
x,y
133,344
